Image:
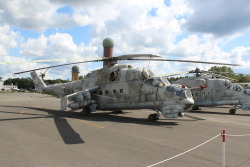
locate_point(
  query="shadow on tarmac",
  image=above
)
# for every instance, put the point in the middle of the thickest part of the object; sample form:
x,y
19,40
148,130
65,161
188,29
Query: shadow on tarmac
x,y
67,133
217,112
97,116
70,136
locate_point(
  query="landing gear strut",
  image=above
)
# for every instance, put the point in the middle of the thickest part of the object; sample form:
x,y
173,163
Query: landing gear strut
x,y
85,111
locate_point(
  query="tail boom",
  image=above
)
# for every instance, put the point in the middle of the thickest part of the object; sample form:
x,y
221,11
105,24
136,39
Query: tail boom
x,y
38,82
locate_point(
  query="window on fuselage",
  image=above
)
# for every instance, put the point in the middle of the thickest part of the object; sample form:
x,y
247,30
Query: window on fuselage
x,y
236,88
165,80
239,88
150,82
154,82
121,90
159,82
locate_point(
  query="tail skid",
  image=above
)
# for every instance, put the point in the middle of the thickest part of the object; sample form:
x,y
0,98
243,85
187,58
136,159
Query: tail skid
x,y
39,84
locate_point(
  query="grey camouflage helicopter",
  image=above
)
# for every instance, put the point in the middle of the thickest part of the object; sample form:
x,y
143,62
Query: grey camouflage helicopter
x,y
219,90
121,87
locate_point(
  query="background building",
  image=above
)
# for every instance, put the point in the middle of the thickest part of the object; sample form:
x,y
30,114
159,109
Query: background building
x,y
7,87
1,83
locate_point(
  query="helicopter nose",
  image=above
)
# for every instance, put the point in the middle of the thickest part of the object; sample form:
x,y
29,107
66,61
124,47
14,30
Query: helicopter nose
x,y
187,101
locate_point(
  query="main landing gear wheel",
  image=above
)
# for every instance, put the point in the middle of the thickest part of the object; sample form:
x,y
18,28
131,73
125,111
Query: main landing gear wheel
x,y
232,111
196,108
117,112
153,117
85,111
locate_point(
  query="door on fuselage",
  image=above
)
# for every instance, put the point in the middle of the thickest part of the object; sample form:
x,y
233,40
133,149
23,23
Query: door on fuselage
x,y
148,91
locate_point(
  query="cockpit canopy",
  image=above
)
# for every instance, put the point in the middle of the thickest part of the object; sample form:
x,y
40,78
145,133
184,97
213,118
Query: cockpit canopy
x,y
179,91
174,88
237,88
247,91
157,82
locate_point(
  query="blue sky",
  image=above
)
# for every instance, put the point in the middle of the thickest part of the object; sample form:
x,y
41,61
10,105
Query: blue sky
x,y
181,29
242,41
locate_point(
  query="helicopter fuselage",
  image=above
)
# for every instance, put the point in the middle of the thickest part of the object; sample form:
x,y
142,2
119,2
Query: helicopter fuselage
x,y
217,92
123,87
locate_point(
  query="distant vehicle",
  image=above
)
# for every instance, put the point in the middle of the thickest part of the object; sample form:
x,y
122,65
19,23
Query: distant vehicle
x,y
218,90
15,90
21,90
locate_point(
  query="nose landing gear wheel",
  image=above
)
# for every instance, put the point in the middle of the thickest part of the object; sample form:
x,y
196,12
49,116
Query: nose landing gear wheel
x,y
85,111
153,117
232,111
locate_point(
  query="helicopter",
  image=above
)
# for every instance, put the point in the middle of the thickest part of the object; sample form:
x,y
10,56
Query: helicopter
x,y
219,90
119,87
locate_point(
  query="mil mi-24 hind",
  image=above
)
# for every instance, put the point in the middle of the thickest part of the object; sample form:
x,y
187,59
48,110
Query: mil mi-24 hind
x,y
121,87
219,91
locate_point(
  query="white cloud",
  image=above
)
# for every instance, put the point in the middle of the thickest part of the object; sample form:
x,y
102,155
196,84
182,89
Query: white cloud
x,y
57,46
37,15
223,17
136,27
242,55
8,38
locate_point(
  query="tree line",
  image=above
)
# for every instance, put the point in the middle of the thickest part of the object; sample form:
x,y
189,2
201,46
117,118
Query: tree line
x,y
228,72
28,84
224,71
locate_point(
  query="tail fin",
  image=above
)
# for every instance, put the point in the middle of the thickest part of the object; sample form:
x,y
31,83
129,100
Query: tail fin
x,y
39,84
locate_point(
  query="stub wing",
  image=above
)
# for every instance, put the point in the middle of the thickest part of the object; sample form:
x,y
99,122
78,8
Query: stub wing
x,y
79,100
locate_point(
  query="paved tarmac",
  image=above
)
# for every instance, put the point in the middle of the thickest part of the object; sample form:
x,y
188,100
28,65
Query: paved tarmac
x,y
33,132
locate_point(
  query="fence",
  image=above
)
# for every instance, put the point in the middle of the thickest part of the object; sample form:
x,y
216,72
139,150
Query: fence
x,y
223,135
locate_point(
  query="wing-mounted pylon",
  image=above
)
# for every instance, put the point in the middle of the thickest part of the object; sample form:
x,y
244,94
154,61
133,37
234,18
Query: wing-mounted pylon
x,y
79,100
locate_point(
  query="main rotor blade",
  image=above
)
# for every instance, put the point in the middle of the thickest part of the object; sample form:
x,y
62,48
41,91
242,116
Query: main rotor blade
x,y
122,57
97,60
174,74
131,56
187,61
42,60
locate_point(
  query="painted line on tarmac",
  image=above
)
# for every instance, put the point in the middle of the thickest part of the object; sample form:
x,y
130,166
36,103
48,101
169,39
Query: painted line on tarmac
x,y
22,112
99,126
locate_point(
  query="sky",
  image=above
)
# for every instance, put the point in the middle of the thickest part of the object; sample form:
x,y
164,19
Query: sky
x,y
214,30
